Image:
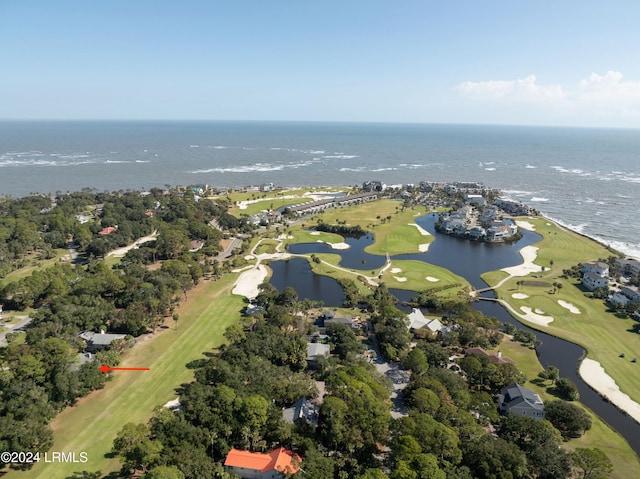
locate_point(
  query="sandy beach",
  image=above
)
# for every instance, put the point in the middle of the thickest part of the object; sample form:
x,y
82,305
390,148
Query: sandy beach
x,y
596,377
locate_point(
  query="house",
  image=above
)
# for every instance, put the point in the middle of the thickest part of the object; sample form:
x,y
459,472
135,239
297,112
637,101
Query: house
x,y
596,267
593,281
315,351
195,246
496,358
475,200
257,465
516,399
107,231
98,341
302,410
629,266
373,186
631,292
417,321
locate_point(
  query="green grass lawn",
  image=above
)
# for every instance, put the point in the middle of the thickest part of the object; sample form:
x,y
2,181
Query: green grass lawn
x,y
267,246
275,198
92,425
395,236
599,331
600,435
35,265
416,274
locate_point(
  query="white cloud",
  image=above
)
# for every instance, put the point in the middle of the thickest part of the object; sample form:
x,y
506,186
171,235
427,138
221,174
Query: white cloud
x,y
606,99
522,89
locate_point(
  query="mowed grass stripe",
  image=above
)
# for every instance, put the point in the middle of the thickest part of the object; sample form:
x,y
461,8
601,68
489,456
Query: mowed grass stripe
x,y
131,396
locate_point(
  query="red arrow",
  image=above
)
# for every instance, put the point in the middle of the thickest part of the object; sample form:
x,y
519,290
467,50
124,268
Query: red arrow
x,y
105,369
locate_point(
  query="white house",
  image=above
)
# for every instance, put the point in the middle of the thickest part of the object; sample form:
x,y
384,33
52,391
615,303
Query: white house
x,y
596,267
593,281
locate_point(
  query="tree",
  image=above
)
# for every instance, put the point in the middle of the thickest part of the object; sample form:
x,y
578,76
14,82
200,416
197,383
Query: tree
x,y
569,419
550,373
592,462
164,472
567,389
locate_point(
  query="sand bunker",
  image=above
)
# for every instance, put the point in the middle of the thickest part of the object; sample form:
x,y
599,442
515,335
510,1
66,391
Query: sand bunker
x,y
339,245
424,247
529,254
534,317
315,233
573,309
519,296
525,225
596,377
422,231
395,270
248,282
249,256
400,279
432,279
539,311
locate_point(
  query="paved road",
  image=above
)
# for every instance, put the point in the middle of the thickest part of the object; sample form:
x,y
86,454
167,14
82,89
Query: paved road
x,y
24,320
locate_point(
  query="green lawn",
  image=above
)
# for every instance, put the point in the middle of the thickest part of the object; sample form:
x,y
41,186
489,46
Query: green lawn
x,y
273,198
599,331
92,425
416,274
35,265
395,236
600,435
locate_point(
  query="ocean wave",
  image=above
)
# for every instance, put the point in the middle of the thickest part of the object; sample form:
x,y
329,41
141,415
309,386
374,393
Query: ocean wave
x,y
340,157
116,162
255,167
218,147
411,166
518,192
359,168
561,169
538,199
143,161
490,169
384,169
531,167
194,146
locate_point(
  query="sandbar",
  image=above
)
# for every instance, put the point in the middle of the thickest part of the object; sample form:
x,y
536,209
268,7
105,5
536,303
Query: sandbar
x,y
248,282
596,377
571,307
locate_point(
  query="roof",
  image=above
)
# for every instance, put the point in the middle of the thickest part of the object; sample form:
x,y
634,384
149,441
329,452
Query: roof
x,y
107,231
302,409
516,396
317,349
417,319
279,459
105,339
494,358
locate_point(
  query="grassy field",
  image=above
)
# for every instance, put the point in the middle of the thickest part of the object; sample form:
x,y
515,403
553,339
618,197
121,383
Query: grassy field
x,y
600,435
274,198
395,236
416,274
600,332
92,425
35,265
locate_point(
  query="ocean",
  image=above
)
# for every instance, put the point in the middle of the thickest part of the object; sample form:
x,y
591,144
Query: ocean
x,y
585,179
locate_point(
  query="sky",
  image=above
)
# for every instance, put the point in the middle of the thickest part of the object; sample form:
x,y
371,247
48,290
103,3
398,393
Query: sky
x,y
568,63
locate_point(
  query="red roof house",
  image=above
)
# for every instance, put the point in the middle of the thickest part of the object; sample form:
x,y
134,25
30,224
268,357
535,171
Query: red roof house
x,y
107,231
256,465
